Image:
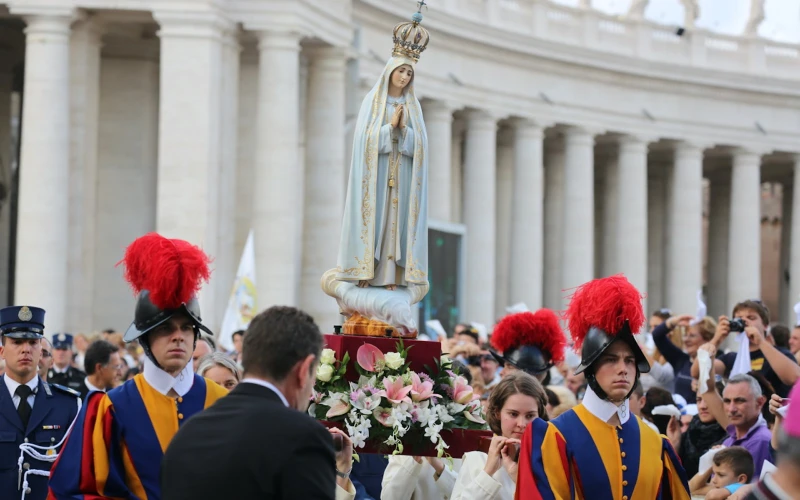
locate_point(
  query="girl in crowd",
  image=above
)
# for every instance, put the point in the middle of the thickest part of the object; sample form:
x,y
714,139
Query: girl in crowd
x,y
514,403
221,369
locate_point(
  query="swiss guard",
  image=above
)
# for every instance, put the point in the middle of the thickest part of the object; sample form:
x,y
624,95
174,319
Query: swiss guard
x,y
119,439
62,372
34,415
598,449
531,342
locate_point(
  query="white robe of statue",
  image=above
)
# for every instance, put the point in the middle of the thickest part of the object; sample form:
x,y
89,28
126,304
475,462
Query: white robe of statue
x,y
384,239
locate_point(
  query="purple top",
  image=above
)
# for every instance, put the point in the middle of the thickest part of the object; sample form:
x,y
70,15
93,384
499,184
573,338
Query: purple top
x,y
756,441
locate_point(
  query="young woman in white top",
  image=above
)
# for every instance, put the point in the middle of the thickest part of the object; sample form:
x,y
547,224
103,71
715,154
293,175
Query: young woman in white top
x,y
514,403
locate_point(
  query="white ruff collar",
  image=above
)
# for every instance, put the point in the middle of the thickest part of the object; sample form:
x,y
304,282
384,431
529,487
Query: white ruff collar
x,y
604,409
163,381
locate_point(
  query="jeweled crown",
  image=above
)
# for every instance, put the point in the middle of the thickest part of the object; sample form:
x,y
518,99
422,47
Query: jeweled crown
x,y
411,39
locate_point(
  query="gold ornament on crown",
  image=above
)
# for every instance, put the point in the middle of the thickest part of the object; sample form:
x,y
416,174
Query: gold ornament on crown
x,y
411,39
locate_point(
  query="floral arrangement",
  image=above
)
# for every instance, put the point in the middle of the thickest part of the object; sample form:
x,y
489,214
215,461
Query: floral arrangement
x,y
390,403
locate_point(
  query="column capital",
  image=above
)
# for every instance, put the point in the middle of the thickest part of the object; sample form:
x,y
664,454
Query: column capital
x,y
438,109
746,157
42,20
574,135
329,57
686,148
68,13
92,27
205,24
633,143
481,119
526,123
285,39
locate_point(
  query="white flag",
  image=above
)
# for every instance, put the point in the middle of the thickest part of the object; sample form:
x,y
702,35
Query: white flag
x,y
242,303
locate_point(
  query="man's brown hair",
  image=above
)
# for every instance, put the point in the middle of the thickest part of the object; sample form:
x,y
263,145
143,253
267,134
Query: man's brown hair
x,y
277,339
738,459
755,305
517,382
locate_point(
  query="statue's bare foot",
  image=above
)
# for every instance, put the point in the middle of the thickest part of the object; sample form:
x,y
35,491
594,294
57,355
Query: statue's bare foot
x,y
391,287
363,284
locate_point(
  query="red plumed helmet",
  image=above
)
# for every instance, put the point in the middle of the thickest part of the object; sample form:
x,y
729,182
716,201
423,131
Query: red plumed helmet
x,y
171,270
540,329
605,303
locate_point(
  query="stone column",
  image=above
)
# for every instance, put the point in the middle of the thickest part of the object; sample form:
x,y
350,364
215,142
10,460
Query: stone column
x,y
42,234
794,252
719,225
84,116
479,216
439,122
744,253
457,181
227,258
6,81
786,311
657,228
278,199
577,266
189,136
684,274
553,222
631,212
505,180
325,161
527,215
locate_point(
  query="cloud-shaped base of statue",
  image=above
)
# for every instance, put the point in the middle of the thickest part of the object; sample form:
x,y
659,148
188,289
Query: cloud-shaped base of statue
x,y
376,305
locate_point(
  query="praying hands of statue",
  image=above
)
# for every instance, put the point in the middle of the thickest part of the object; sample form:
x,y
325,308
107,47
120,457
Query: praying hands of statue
x,y
397,118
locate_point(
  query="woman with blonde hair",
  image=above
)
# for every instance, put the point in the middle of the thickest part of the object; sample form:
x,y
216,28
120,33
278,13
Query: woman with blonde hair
x,y
221,369
698,332
515,402
566,400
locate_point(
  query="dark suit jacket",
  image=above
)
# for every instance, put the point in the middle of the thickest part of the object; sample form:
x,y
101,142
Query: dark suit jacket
x,y
249,445
54,409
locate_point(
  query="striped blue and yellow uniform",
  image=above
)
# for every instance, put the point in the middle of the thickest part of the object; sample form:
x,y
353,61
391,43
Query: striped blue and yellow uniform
x,y
117,443
578,456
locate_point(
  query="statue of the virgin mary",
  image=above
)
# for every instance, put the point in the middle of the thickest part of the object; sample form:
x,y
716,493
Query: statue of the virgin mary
x,y
384,239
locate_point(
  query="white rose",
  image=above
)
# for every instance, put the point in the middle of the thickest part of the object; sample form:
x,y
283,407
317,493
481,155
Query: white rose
x,y
324,373
394,360
328,357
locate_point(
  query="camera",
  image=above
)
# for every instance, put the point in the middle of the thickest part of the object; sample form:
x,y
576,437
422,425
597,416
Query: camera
x,y
737,325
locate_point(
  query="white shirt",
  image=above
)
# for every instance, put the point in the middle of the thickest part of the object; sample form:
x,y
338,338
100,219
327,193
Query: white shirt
x,y
405,479
12,388
474,483
264,383
163,381
60,370
92,387
603,409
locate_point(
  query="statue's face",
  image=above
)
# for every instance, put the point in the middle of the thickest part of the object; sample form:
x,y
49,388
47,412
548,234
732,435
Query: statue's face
x,y
402,76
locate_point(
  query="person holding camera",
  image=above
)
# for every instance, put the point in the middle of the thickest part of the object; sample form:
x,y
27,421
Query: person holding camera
x,y
776,364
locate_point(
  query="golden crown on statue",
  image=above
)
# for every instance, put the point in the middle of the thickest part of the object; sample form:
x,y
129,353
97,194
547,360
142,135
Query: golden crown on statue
x,y
411,39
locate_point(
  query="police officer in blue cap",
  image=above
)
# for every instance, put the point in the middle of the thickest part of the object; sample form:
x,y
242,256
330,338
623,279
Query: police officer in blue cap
x,y
62,372
34,415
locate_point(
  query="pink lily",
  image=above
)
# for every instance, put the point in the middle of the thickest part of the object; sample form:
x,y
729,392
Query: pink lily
x,y
368,357
395,392
420,391
474,418
339,408
462,392
384,416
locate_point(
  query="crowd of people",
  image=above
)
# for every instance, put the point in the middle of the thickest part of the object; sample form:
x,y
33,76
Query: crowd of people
x,y
608,414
